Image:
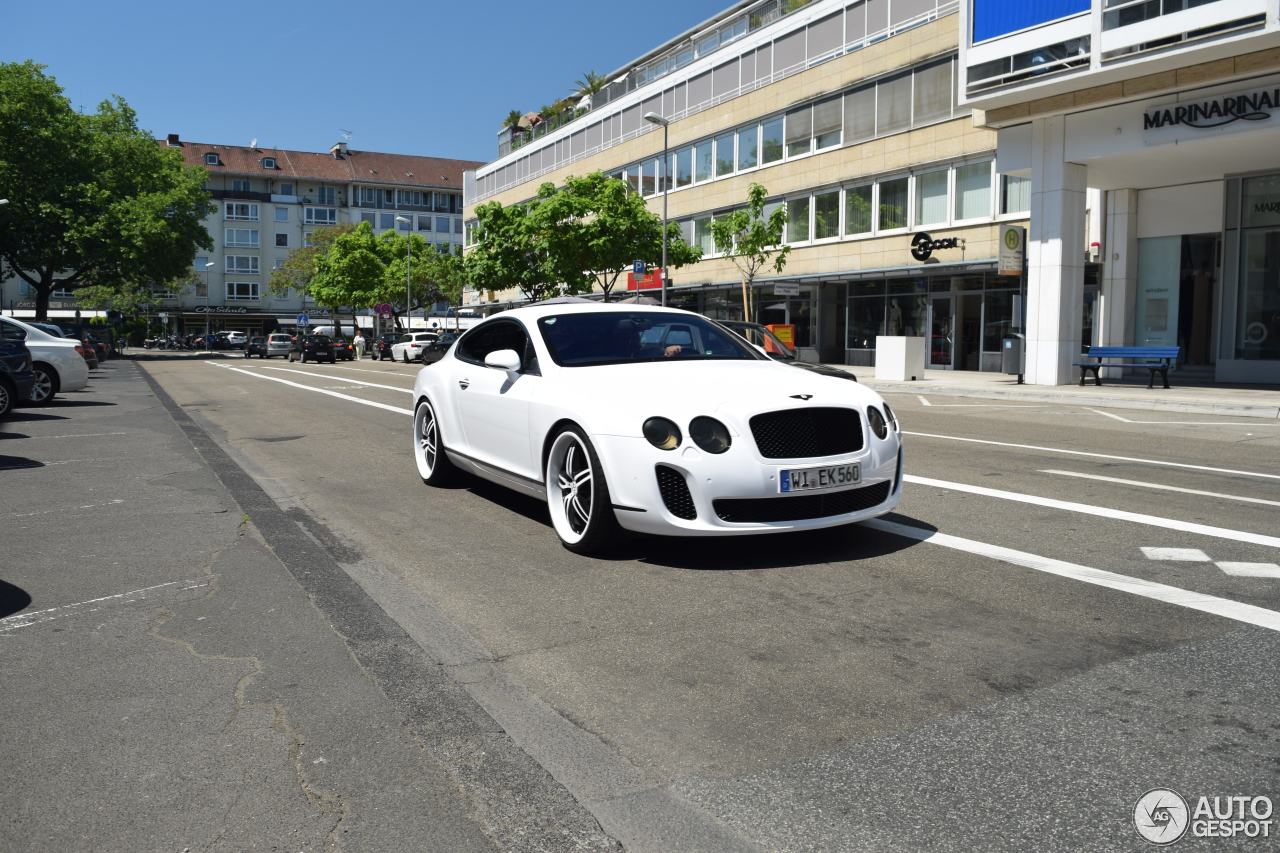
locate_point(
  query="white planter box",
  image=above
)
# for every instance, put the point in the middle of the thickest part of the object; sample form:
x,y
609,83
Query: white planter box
x,y
900,358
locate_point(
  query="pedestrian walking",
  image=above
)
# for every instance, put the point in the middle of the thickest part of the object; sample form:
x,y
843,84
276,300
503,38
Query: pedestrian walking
x,y
358,343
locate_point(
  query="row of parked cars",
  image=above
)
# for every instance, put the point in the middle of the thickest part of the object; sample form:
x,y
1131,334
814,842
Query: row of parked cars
x,y
420,347
38,361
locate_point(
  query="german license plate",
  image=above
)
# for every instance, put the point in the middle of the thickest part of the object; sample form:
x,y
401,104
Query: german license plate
x,y
823,477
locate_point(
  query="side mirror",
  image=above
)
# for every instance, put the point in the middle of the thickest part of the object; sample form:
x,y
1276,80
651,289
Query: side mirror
x,y
507,359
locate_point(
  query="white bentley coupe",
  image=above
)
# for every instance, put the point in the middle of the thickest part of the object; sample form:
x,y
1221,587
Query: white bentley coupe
x,y
654,420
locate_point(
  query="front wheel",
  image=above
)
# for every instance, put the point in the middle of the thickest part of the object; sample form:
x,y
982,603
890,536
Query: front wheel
x,y
46,384
428,451
578,496
7,398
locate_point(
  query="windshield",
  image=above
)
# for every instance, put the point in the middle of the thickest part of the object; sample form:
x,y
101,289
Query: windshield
x,y
617,337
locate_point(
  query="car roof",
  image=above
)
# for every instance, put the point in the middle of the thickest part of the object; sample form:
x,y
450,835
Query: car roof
x,y
538,310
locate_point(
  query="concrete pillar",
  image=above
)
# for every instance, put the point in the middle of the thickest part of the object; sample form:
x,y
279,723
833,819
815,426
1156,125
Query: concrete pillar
x,y
1119,272
1055,256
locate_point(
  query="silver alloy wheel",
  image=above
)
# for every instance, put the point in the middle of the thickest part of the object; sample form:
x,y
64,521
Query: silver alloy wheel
x,y
570,481
42,390
426,439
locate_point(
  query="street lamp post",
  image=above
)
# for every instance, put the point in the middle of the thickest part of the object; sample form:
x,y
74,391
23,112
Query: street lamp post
x,y
408,257
206,305
654,118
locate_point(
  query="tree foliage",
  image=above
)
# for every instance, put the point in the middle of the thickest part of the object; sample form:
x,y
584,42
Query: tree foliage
x,y
93,200
518,246
752,241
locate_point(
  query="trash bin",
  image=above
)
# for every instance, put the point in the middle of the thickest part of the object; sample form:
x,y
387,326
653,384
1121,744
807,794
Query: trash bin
x,y
1012,354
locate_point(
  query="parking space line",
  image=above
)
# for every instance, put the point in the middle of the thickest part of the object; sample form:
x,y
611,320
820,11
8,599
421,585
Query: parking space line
x,y
1125,420
324,391
323,376
1226,608
1101,512
1161,486
378,372
1095,455
36,617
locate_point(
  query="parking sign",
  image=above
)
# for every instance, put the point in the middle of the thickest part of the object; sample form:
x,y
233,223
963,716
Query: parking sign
x,y
637,267
304,320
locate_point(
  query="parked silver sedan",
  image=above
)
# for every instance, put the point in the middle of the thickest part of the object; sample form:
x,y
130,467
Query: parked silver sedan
x,y
279,344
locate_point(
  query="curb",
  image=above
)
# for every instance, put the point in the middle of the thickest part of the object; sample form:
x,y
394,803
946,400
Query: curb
x,y
1239,410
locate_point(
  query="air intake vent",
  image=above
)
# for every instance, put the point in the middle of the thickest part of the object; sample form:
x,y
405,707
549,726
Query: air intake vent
x,y
801,507
675,493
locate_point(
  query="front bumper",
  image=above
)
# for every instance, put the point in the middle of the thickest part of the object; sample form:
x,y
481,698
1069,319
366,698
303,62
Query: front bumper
x,y
740,474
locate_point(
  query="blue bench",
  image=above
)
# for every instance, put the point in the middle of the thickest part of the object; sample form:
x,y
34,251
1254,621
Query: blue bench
x,y
1154,359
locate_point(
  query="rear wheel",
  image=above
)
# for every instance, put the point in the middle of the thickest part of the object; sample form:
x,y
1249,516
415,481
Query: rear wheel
x,y
7,397
46,384
578,496
428,451
404,356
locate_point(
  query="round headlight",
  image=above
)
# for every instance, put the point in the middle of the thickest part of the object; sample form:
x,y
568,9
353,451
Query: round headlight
x,y
709,434
878,426
893,419
662,433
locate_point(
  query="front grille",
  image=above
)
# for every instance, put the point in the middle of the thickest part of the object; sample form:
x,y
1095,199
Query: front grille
x,y
801,507
675,493
806,433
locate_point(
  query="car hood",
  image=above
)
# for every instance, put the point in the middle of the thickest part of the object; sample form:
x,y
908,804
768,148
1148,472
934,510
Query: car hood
x,y
622,396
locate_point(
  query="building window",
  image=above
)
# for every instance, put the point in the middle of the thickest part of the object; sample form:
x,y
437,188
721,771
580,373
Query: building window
x,y
702,161
242,264
239,185
748,147
893,204
724,154
389,198
277,263
406,225
457,226
241,237
893,104
424,223
320,216
702,235
826,215
1015,194
199,262
240,291
684,167
286,189
386,220
327,195
368,195
931,198
282,241
268,162
771,147
237,210
798,219
306,239
799,131
857,210
368,216
648,178
973,191
932,95
442,224
211,159
282,214
827,117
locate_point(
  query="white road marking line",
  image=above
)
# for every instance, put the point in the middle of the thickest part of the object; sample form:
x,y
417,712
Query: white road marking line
x,y
302,387
1176,555
82,435
1250,570
1161,486
1096,455
1102,512
378,372
923,401
36,617
63,509
1235,610
1185,423
352,381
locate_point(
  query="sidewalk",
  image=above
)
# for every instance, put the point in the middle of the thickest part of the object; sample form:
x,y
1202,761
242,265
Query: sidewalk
x,y
1232,400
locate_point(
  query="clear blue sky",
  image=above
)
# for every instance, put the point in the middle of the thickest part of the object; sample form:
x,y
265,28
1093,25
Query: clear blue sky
x,y
412,77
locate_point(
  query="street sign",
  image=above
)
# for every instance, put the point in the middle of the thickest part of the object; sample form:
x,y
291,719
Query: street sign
x,y
1013,248
786,290
637,267
383,308
304,320
386,315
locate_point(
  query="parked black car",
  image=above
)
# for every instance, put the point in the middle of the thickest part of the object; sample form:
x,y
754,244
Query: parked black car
x,y
313,348
433,351
256,346
343,350
381,348
16,377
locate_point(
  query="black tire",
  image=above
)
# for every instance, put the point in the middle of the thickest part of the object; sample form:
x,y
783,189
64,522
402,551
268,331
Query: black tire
x,y
333,359
433,463
8,397
304,358
47,384
589,528
404,356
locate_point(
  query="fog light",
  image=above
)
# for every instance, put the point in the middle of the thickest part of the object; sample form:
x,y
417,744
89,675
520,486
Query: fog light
x,y
878,426
662,433
709,434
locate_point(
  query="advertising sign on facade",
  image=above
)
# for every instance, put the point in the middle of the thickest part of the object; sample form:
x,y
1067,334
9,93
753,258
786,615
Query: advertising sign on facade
x,y
786,290
645,281
1199,116
1013,249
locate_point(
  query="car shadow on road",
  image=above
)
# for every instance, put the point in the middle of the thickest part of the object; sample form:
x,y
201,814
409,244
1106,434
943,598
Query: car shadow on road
x,y
12,599
15,463
19,416
67,403
5,435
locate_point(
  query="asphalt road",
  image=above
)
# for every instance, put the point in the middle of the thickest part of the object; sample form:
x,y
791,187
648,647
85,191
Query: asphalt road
x,y
1007,663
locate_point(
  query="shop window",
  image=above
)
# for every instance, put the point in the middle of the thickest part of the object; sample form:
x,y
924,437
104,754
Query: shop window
x,y
1015,194
857,210
798,219
799,131
724,154
771,146
826,215
931,198
865,322
893,204
999,306
748,147
973,191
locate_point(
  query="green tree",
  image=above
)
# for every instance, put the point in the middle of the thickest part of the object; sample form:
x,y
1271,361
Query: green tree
x,y
93,200
751,241
603,227
519,246
590,83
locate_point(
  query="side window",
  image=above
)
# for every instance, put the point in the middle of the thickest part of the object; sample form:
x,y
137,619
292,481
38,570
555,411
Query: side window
x,y
493,336
12,333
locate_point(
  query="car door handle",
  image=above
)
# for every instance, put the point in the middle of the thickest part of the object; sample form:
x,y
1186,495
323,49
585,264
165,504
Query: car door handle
x,y
464,384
